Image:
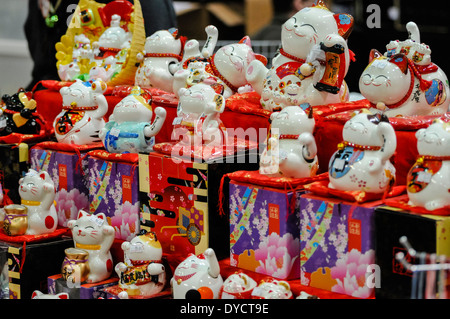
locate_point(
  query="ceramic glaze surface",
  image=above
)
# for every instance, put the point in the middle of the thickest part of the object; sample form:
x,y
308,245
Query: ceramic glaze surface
x,y
403,81
37,193
142,273
81,119
272,289
197,277
313,48
427,181
291,150
362,162
93,234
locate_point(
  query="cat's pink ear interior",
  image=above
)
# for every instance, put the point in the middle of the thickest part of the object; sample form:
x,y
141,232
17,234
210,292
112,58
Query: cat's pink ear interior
x,y
42,176
101,216
401,61
246,40
63,296
374,54
261,58
33,295
81,213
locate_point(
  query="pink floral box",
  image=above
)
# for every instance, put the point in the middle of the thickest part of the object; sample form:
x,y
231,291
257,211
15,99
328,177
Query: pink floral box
x,y
337,245
114,190
68,171
265,230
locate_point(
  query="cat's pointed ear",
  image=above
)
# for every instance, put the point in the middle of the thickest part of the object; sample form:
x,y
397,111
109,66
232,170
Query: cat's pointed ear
x,y
42,176
101,216
81,213
344,23
374,54
63,295
246,40
261,58
401,61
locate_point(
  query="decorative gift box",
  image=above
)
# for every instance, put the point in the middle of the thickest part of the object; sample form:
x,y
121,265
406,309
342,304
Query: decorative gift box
x,y
265,229
67,165
426,233
337,244
29,265
56,285
180,200
113,190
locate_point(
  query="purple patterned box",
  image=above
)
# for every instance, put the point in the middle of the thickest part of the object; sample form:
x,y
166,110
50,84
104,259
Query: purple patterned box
x,y
68,171
265,230
114,190
337,245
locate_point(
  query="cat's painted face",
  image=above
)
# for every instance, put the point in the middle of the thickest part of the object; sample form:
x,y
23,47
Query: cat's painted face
x,y
200,98
191,266
131,109
79,93
31,186
385,80
143,247
114,36
305,29
292,120
434,140
163,41
362,129
87,229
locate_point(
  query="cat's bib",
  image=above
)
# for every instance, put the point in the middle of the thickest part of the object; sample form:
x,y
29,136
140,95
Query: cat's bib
x,y
421,173
342,160
66,122
138,274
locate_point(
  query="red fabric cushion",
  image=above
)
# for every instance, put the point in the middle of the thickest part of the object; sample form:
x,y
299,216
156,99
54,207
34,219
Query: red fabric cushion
x,y
402,202
33,238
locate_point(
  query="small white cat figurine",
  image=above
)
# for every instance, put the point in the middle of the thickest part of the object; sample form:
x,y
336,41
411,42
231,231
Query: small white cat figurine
x,y
291,150
404,81
93,234
40,295
428,183
37,193
81,119
142,273
197,277
198,115
362,162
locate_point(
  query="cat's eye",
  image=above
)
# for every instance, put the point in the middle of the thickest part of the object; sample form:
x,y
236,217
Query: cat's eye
x,y
30,184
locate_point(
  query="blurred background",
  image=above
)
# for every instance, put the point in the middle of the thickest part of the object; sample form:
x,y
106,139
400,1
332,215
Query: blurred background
x,y
260,19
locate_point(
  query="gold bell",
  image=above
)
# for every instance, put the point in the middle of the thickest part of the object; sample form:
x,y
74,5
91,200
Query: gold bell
x,y
341,146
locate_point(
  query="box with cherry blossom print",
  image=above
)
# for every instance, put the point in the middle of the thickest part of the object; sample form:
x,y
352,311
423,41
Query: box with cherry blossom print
x,y
265,230
114,190
68,170
337,245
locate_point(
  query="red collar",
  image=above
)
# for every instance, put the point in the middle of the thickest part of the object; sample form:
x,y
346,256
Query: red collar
x,y
343,144
216,73
423,158
290,56
143,262
288,137
164,55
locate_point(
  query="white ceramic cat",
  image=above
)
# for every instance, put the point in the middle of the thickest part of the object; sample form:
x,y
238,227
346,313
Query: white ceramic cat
x,y
228,65
362,162
142,273
197,277
37,193
404,81
93,234
272,289
81,119
163,51
297,70
291,150
40,295
129,128
198,115
112,40
238,286
428,183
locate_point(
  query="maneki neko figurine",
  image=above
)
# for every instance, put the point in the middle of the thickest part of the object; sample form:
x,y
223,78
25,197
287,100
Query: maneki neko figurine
x,y
198,115
362,161
311,64
291,150
404,81
81,118
163,51
238,286
271,288
129,128
228,65
18,114
197,277
93,234
142,273
428,182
